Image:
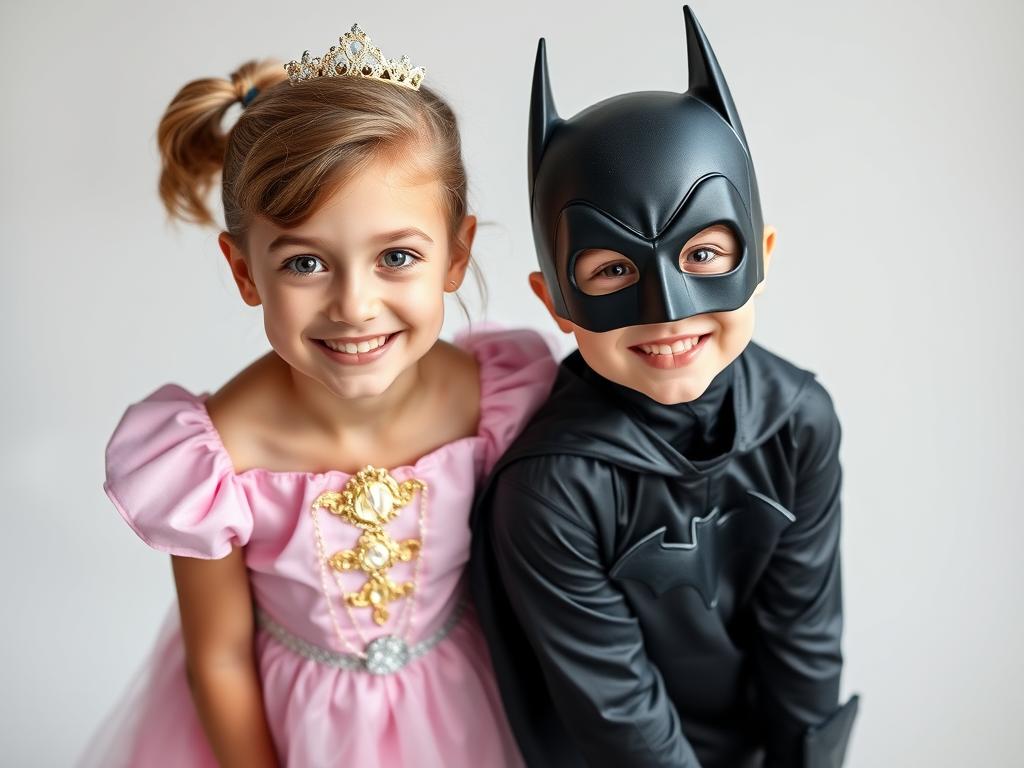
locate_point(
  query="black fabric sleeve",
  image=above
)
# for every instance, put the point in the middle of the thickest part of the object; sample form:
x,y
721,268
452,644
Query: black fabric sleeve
x,y
611,699
798,601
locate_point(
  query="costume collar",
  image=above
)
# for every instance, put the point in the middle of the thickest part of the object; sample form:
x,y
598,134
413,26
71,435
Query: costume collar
x,y
583,418
700,429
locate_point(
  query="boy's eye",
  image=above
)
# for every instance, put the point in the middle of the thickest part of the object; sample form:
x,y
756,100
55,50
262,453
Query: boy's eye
x,y
397,259
304,265
600,271
714,250
708,261
618,269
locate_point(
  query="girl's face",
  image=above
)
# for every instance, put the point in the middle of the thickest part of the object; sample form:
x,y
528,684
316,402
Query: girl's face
x,y
354,296
669,362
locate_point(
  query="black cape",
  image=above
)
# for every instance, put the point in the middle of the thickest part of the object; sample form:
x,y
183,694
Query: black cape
x,y
660,585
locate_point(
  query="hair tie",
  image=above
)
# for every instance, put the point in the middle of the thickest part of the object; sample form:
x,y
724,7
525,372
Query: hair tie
x,y
251,94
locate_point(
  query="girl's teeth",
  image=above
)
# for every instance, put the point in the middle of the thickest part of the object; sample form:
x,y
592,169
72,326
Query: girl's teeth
x,y
351,348
679,346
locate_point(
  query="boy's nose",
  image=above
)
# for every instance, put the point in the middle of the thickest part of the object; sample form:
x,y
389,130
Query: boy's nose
x,y
665,296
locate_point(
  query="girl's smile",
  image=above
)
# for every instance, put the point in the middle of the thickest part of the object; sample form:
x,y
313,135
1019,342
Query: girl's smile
x,y
357,351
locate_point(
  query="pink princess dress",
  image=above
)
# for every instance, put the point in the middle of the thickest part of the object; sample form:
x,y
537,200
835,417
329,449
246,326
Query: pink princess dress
x,y
368,652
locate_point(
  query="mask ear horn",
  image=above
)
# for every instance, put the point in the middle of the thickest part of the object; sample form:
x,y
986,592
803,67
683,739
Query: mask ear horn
x,y
543,116
706,80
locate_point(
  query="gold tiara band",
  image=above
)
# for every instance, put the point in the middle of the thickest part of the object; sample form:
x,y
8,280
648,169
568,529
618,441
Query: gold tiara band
x,y
356,56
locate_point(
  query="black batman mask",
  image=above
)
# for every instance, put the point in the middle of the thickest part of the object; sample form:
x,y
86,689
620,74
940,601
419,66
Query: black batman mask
x,y
640,174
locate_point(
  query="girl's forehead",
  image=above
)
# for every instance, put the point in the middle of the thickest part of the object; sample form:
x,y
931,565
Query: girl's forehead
x,y
380,199
404,184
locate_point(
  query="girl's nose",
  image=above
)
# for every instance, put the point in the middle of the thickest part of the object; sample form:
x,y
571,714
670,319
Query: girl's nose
x,y
354,299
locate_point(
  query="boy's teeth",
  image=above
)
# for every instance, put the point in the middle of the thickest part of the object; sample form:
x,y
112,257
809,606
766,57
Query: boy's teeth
x,y
675,348
351,348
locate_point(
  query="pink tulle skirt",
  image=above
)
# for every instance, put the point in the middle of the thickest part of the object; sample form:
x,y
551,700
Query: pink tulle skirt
x,y
441,710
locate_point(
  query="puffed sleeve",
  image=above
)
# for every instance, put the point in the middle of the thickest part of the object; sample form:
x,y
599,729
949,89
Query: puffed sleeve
x,y
171,479
517,370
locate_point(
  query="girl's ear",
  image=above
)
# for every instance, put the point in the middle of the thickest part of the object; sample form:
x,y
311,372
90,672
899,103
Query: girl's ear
x,y
239,269
769,246
462,247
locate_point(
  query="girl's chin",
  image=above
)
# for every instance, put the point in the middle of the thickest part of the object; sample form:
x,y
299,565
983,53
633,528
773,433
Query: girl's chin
x,y
371,386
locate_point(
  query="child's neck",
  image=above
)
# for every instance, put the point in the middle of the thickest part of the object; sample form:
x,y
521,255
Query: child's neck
x,y
335,417
267,419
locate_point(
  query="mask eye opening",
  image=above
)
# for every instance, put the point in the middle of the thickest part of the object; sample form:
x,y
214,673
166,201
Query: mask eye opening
x,y
601,271
715,251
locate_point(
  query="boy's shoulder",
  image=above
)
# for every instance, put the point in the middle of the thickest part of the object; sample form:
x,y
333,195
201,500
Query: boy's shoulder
x,y
811,414
771,366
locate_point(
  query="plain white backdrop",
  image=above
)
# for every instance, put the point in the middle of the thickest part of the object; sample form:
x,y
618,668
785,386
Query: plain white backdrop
x,y
886,137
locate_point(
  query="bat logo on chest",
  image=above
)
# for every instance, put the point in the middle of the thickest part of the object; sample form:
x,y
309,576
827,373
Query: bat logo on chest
x,y
663,565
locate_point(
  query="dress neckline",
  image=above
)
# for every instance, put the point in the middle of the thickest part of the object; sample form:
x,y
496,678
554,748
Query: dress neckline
x,y
463,341
425,460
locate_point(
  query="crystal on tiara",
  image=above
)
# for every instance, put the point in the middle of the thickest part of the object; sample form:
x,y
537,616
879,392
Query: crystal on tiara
x,y
356,56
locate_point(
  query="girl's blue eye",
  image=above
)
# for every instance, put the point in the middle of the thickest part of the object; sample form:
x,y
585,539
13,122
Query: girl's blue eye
x,y
397,259
304,265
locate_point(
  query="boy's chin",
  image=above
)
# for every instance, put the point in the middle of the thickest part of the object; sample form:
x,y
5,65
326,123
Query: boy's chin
x,y
671,394
667,390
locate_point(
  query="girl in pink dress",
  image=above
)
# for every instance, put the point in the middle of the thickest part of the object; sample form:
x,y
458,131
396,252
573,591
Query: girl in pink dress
x,y
316,507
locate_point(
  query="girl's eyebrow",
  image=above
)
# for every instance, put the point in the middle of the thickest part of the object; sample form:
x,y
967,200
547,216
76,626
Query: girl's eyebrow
x,y
311,242
402,234
282,240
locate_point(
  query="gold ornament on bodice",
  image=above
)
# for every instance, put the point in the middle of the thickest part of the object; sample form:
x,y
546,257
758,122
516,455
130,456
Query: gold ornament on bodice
x,y
369,500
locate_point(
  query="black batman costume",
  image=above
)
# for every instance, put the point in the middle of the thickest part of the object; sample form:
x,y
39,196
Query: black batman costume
x,y
660,584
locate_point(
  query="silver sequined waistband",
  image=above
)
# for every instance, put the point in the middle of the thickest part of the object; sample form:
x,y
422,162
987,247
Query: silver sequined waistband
x,y
350,660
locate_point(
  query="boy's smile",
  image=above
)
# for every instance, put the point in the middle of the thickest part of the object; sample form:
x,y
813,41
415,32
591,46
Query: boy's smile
x,y
672,352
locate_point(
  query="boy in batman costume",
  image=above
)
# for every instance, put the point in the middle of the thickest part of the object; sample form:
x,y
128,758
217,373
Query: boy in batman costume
x,y
656,559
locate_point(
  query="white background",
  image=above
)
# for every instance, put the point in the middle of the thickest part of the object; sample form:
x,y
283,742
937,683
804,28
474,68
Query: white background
x,y
887,142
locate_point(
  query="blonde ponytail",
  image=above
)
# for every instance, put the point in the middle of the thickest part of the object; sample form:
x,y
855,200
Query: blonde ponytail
x,y
192,142
294,145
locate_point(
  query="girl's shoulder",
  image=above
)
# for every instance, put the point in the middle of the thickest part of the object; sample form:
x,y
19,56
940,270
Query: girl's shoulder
x,y
516,372
171,479
249,414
